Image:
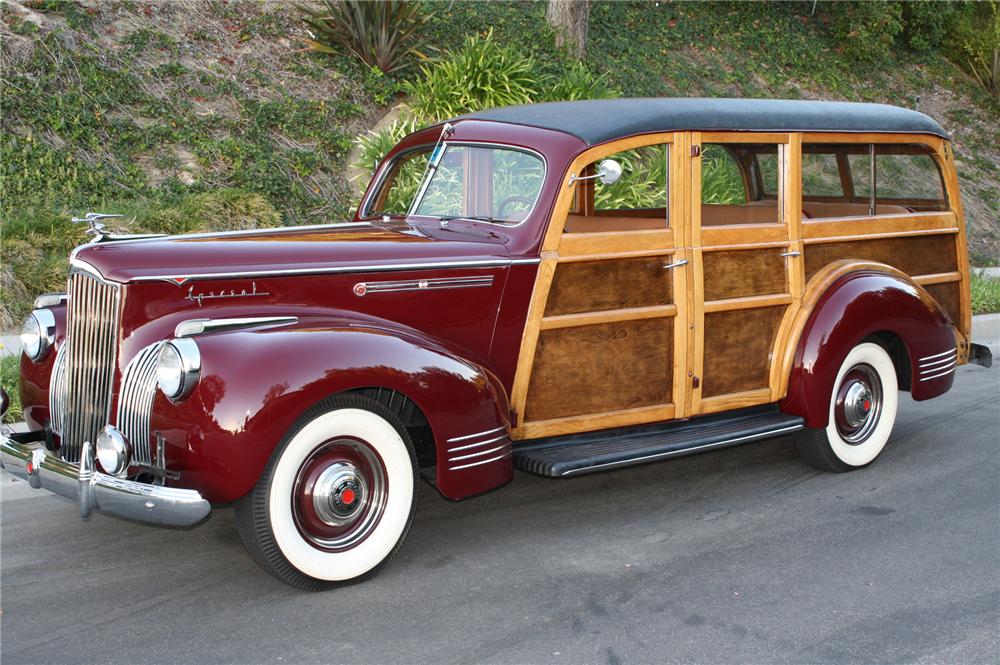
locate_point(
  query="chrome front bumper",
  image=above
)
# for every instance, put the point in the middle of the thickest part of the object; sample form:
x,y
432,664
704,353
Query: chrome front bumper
x,y
26,457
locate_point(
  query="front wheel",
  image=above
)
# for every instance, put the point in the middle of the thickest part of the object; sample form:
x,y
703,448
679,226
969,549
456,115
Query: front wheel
x,y
862,413
336,498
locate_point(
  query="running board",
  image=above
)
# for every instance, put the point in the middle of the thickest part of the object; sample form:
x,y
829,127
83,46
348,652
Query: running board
x,y
577,454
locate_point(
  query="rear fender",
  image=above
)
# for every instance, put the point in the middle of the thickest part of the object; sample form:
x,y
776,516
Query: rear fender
x,y
255,384
852,301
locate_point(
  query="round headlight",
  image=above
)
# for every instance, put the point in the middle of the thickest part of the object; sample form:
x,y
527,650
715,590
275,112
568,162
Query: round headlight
x,y
38,333
178,366
113,451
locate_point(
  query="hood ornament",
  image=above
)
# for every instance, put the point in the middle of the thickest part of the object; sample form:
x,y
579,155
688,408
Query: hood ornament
x,y
94,225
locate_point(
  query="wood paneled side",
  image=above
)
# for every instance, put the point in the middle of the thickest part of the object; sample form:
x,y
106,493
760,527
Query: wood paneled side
x,y
949,296
752,272
738,348
590,286
914,255
583,370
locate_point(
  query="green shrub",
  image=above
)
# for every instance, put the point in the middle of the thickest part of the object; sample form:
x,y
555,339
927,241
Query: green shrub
x,y
380,34
577,82
926,25
985,293
482,74
721,180
865,30
10,370
975,44
374,146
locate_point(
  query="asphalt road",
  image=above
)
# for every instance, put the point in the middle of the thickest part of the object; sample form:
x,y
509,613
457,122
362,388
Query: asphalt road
x,y
743,555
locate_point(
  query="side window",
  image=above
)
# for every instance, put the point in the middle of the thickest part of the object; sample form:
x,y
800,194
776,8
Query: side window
x,y
400,185
444,195
721,177
908,176
906,179
740,184
643,185
637,201
821,176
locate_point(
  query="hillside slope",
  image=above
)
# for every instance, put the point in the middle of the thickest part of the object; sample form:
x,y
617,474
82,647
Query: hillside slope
x,y
152,108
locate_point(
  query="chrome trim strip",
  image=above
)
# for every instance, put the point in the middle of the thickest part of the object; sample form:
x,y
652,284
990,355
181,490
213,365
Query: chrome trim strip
x,y
481,462
707,446
397,267
937,376
938,355
481,443
50,300
938,371
942,361
57,391
363,288
502,428
479,454
192,327
85,267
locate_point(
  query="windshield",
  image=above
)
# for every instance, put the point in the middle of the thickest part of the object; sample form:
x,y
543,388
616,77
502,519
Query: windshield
x,y
487,183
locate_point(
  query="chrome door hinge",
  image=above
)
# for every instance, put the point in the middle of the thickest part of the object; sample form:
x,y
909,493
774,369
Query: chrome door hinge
x,y
695,150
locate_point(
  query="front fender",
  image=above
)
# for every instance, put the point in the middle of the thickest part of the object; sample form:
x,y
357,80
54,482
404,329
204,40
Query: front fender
x,y
255,384
858,304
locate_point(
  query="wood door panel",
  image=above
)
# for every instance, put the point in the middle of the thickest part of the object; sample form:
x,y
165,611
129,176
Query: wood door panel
x,y
600,368
738,348
914,255
737,274
591,286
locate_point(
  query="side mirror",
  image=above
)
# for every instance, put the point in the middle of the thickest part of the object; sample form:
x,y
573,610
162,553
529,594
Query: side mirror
x,y
4,403
608,172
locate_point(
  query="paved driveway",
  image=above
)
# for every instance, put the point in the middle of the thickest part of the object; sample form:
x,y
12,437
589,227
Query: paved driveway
x,y
743,555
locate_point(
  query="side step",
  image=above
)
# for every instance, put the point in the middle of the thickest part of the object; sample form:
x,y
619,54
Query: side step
x,y
577,454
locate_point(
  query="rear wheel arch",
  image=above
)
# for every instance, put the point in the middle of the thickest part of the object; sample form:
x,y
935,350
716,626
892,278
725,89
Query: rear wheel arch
x,y
850,302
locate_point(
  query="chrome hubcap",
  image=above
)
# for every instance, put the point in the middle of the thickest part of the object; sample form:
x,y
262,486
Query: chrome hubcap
x,y
859,404
339,494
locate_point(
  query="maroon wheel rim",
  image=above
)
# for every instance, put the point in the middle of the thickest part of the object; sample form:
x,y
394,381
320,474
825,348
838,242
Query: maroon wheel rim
x,y
339,494
858,404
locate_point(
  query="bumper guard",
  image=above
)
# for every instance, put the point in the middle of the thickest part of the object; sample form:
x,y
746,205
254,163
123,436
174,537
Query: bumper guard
x,y
25,456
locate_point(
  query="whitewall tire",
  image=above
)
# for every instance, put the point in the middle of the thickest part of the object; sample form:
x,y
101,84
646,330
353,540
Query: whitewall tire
x,y
336,498
862,412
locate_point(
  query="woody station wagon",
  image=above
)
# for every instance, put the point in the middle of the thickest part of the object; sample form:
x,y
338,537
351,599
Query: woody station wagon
x,y
560,288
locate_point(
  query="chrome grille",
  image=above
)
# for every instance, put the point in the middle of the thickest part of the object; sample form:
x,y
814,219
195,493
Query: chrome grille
x,y
57,393
92,341
135,402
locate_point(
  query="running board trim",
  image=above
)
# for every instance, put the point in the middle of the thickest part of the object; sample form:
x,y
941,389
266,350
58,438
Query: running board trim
x,y
592,452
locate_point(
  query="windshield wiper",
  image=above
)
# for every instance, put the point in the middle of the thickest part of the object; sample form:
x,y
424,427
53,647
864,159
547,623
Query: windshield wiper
x,y
475,218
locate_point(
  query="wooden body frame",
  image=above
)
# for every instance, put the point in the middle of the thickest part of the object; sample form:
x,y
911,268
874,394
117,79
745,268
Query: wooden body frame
x,y
686,240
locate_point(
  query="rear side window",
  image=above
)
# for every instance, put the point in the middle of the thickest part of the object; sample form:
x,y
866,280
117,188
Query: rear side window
x,y
861,180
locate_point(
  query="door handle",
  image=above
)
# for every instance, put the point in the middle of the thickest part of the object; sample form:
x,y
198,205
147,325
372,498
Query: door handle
x,y
675,264
793,252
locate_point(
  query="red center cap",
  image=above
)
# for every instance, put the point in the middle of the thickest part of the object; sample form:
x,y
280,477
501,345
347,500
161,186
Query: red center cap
x,y
867,405
348,496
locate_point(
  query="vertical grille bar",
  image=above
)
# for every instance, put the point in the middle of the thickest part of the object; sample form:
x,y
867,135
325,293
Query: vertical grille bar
x,y
92,348
135,404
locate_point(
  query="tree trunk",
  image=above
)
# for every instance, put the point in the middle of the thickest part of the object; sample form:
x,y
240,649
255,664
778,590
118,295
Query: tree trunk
x,y
570,19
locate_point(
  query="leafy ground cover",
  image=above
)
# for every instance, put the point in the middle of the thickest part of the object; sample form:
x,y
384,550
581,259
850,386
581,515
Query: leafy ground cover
x,y
985,293
197,115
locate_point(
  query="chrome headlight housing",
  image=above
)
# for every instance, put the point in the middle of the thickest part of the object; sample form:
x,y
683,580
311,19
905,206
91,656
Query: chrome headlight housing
x,y
38,333
178,367
114,452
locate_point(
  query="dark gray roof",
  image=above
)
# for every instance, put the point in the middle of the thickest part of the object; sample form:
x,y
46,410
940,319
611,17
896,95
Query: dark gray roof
x,y
598,120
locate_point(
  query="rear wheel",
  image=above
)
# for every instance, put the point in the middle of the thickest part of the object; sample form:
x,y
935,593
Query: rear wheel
x,y
337,497
862,413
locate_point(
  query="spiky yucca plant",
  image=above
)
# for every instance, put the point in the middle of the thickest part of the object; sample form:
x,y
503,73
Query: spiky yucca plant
x,y
380,33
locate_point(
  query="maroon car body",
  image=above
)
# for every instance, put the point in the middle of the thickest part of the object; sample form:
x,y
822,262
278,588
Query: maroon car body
x,y
434,311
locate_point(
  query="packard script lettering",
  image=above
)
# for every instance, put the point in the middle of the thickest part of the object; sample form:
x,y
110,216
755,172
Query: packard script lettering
x,y
211,295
